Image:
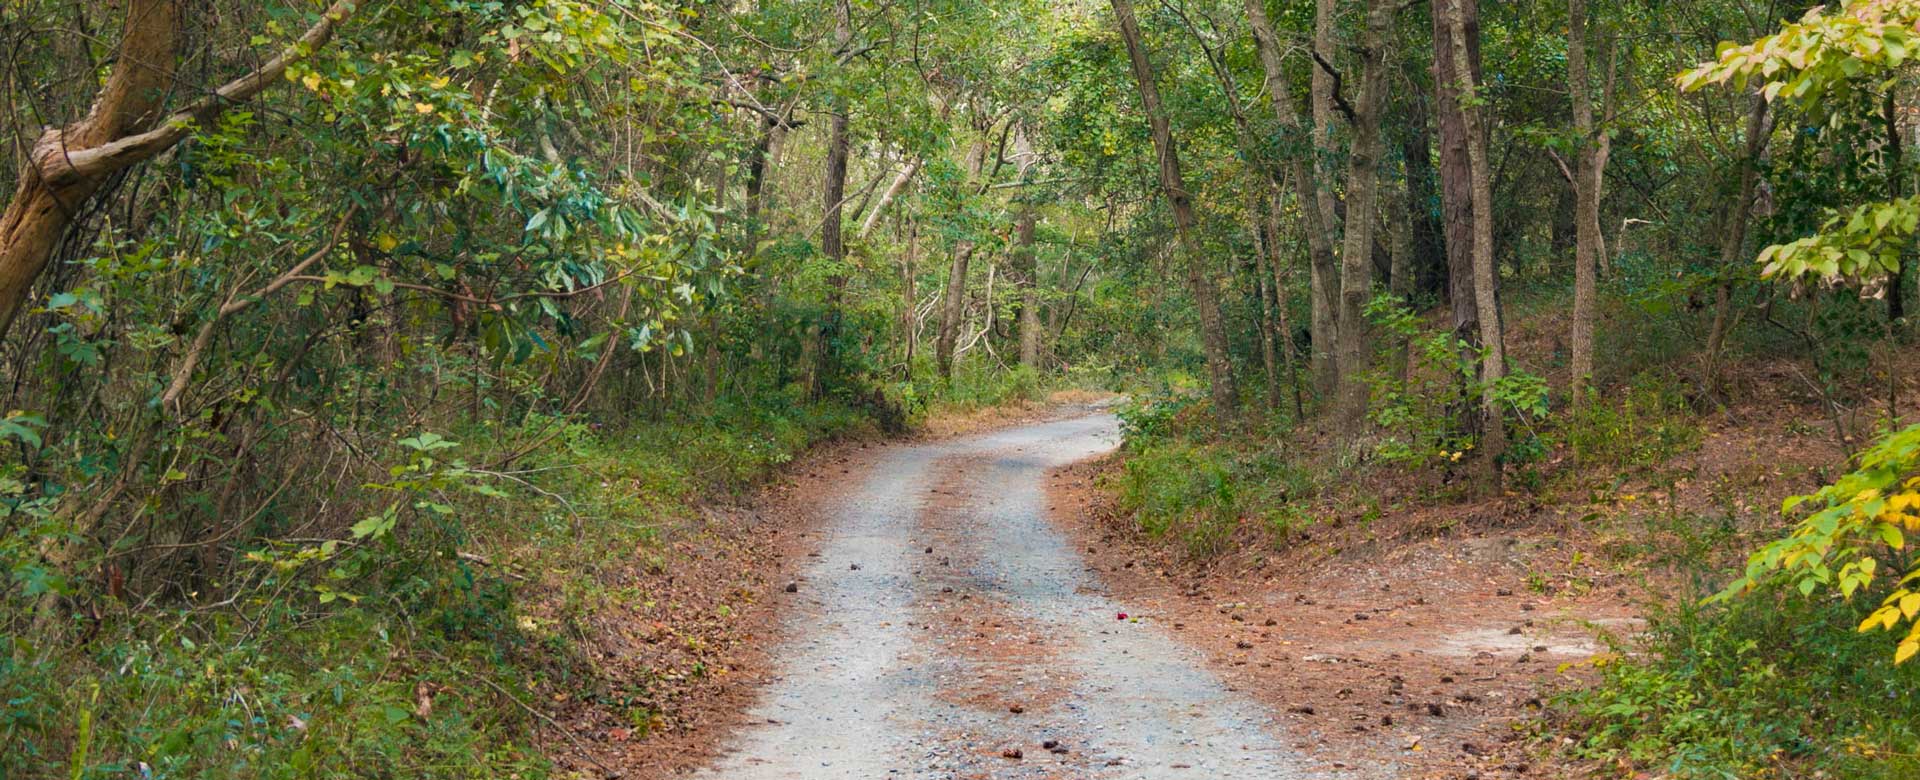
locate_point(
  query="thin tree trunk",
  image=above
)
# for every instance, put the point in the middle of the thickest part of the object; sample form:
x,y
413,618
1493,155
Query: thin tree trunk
x,y
898,186
1586,195
953,307
1315,198
1401,280
1363,180
910,329
1896,189
1263,277
1026,263
1734,240
1213,330
1326,272
1277,263
1428,261
1487,303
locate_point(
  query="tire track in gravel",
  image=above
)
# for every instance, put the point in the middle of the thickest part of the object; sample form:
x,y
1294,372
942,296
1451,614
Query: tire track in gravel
x,y
905,663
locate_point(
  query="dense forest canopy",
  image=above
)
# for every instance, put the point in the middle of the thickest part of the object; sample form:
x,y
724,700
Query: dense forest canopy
x,y
296,295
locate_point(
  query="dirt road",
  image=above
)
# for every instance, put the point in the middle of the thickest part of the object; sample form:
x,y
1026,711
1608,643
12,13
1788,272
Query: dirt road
x,y
945,629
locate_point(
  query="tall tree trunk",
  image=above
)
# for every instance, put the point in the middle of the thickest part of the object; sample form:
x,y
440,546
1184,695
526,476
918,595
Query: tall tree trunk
x,y
1263,278
1213,332
1325,272
1456,174
909,299
1586,194
953,307
1315,199
953,303
1896,189
1487,303
1401,281
1734,240
1277,264
1027,265
67,166
833,196
1363,180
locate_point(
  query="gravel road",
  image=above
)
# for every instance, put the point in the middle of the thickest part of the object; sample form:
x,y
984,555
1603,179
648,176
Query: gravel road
x,y
946,626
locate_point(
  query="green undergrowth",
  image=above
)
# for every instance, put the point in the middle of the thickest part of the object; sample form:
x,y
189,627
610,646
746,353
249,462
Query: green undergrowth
x,y
1772,686
1182,482
404,650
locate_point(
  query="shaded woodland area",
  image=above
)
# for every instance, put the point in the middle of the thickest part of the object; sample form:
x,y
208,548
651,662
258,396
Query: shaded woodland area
x,y
337,333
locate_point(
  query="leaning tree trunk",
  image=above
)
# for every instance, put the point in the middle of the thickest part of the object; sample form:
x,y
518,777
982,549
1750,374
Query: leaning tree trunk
x,y
1213,332
67,166
1363,180
1304,171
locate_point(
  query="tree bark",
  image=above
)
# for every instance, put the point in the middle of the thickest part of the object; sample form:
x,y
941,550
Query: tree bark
x,y
1487,303
1276,262
1303,168
1363,180
1590,166
1456,174
898,186
1213,331
953,306
909,299
833,197
67,166
1026,264
1325,272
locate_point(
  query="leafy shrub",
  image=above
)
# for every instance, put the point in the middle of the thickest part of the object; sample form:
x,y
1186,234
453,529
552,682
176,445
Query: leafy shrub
x,y
1422,418
1647,426
1772,687
1184,489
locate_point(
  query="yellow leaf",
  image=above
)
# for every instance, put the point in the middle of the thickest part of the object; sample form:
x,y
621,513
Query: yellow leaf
x,y
312,81
1906,651
386,242
1910,604
423,108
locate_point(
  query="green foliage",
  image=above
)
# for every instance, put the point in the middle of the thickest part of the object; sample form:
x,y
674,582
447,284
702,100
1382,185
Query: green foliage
x,y
1422,418
1857,522
1183,489
1768,687
1636,430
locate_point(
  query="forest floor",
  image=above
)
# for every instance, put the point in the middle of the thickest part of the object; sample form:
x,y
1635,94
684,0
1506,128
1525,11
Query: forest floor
x,y
950,607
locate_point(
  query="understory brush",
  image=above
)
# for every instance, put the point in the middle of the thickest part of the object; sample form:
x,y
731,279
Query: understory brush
x,y
1772,686
1182,482
403,648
